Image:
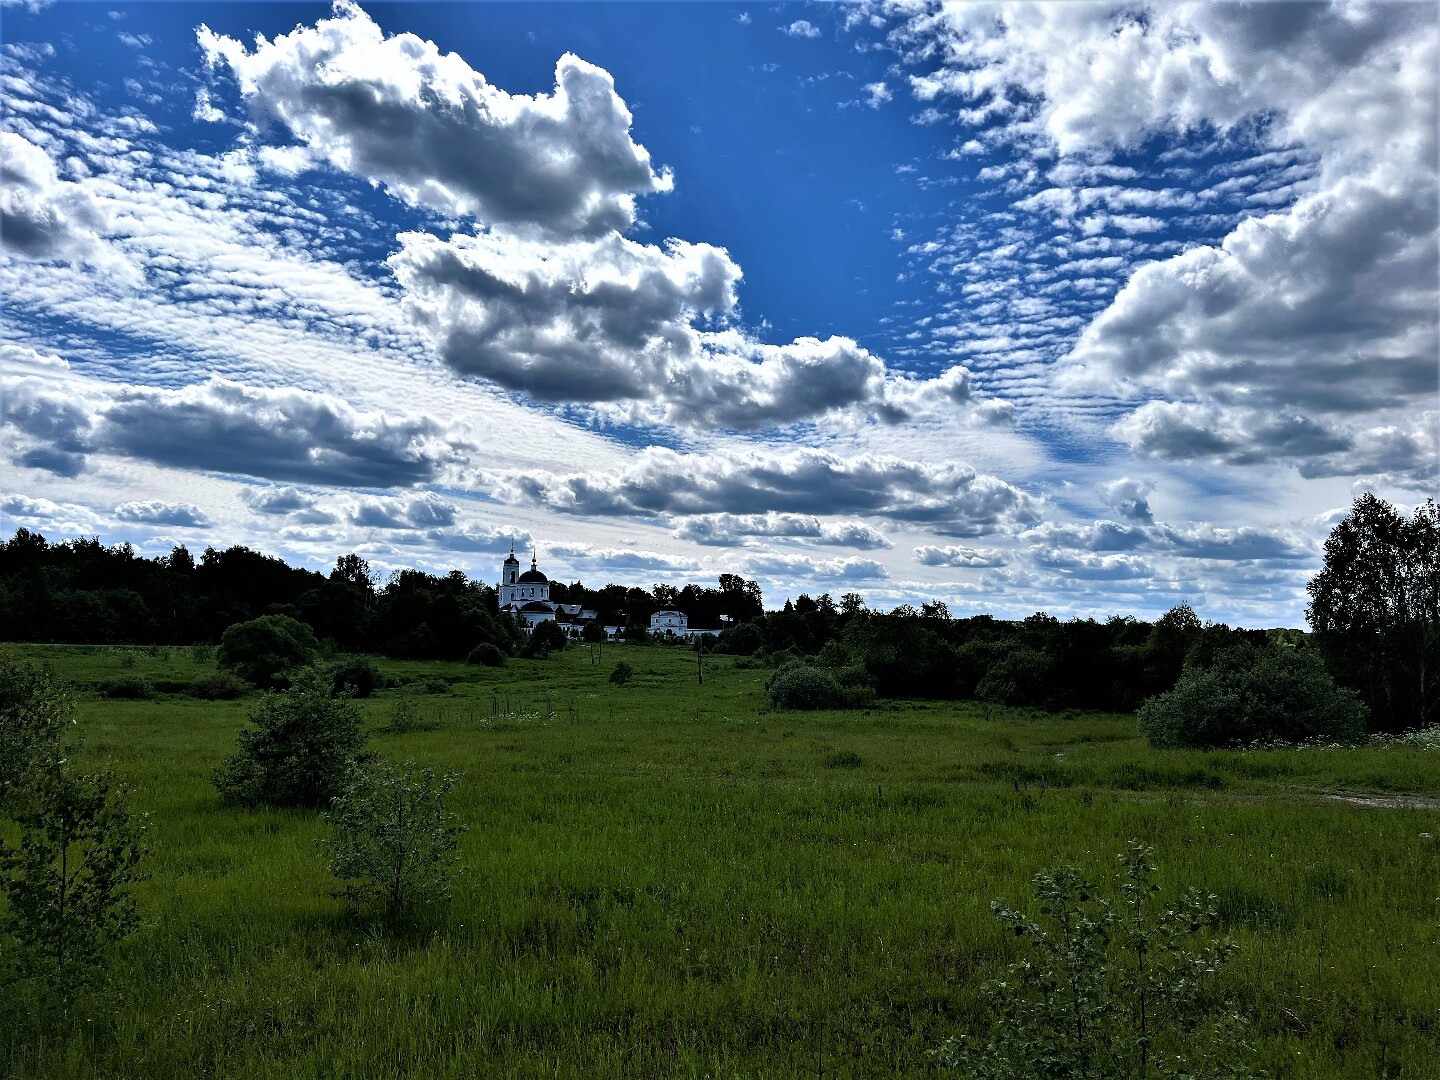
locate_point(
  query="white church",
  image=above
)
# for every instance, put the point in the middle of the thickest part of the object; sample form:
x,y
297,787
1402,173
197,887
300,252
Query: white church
x,y
526,597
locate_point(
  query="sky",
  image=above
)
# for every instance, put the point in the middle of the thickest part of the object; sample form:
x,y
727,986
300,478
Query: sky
x,y
1087,308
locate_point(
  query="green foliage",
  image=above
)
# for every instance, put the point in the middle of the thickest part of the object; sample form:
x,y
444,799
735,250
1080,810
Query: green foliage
x,y
222,686
68,879
621,673
299,749
357,676
1020,676
1254,694
404,717
797,685
127,687
1375,608
392,842
547,637
35,710
264,651
1108,987
487,654
844,759
593,633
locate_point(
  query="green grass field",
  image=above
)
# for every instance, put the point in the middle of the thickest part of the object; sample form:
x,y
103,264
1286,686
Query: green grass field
x,y
666,880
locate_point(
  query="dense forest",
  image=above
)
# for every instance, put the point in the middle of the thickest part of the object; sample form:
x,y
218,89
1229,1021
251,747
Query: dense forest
x,y
1375,620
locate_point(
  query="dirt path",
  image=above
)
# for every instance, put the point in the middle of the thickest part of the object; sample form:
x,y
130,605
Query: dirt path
x,y
1384,802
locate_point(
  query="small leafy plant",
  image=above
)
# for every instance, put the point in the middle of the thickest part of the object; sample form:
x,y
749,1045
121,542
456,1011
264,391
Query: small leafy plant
x,y
393,843
1108,988
67,881
621,673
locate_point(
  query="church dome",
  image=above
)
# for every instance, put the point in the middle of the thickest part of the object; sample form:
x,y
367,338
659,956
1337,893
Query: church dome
x,y
533,577
537,605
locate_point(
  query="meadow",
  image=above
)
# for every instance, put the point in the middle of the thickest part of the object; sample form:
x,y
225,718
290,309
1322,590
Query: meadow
x,y
667,880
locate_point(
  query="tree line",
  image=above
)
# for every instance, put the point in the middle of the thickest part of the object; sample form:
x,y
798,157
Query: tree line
x,y
84,592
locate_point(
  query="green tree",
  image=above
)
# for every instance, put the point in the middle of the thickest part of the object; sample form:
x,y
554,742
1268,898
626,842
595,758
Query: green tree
x,y
1375,607
547,637
1254,694
393,843
299,749
1108,987
264,651
35,710
68,879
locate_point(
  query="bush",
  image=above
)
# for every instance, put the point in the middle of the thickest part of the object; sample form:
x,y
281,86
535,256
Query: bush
x,y
547,637
622,673
134,687
1108,987
358,676
487,654
35,709
1019,677
264,651
1254,694
392,841
800,686
299,750
844,759
222,686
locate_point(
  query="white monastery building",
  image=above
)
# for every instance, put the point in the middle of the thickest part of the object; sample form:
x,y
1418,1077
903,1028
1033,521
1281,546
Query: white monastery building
x,y
526,597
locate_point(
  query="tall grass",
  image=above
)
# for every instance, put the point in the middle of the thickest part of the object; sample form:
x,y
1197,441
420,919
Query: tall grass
x,y
665,880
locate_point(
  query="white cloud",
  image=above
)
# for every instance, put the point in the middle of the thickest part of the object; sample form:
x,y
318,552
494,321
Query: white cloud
x,y
154,512
724,530
45,217
967,558
877,94
951,499
801,28
430,128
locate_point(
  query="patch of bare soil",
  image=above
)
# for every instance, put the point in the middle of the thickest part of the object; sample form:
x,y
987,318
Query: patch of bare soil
x,y
1383,802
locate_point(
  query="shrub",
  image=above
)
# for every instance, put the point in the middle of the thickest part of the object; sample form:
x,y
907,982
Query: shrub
x,y
359,676
1254,694
127,686
67,881
404,717
487,654
392,841
222,686
800,686
264,651
35,709
1105,987
547,637
622,673
299,749
844,759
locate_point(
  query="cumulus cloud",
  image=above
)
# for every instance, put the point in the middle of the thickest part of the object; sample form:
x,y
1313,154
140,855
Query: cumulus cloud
x,y
44,216
222,426
801,28
432,129
967,558
952,499
288,502
1406,451
724,530
155,512
424,511
1130,499
611,320
1202,540
480,538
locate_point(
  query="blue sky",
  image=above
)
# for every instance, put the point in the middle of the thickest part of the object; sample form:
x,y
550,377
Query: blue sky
x,y
1079,307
